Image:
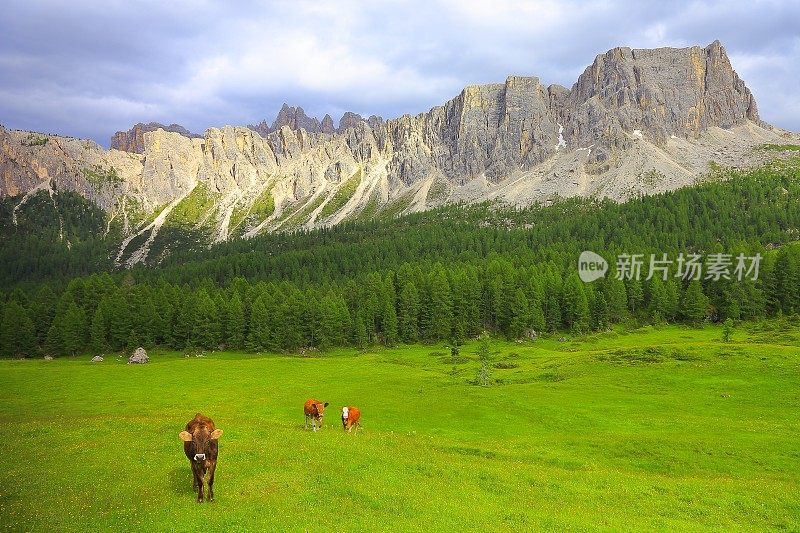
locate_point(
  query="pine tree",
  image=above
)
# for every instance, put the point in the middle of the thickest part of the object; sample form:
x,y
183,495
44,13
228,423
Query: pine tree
x,y
360,337
657,304
17,333
408,313
635,295
695,303
205,330
236,323
120,321
727,330
390,324
185,317
290,326
521,319
553,312
43,311
537,316
259,330
575,306
672,293
330,323
599,310
75,330
617,299
441,307
98,332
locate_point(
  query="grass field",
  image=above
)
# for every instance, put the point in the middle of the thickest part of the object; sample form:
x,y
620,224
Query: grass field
x,y
665,428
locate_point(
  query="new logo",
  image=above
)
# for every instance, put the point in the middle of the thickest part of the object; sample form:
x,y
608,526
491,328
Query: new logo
x,y
591,266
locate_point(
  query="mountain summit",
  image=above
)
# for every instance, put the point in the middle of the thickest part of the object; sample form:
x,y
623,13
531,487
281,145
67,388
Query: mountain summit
x,y
635,122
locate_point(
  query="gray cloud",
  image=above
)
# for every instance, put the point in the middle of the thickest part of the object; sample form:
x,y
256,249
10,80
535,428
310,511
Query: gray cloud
x,y
90,68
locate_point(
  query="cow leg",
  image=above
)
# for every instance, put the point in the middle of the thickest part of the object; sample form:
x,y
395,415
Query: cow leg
x,y
306,421
314,424
198,480
194,476
211,471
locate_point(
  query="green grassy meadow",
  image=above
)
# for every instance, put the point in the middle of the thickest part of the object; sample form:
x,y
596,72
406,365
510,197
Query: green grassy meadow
x,y
658,428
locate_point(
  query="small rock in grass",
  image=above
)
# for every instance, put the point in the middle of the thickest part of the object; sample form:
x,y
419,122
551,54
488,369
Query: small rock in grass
x,y
139,357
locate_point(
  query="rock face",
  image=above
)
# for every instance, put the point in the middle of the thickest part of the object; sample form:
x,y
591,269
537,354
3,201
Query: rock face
x,y
138,357
133,139
636,121
660,92
296,119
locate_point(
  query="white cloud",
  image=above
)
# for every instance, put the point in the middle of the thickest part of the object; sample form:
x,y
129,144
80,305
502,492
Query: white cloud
x,y
93,66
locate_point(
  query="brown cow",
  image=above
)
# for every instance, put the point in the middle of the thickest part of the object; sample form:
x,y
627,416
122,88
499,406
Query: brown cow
x,y
351,416
201,448
315,410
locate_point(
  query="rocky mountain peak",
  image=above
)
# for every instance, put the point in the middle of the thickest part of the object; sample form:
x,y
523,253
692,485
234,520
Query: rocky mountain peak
x,y
635,121
133,139
295,118
661,92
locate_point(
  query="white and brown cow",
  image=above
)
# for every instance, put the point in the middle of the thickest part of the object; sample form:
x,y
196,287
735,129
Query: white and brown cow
x,y
315,410
351,417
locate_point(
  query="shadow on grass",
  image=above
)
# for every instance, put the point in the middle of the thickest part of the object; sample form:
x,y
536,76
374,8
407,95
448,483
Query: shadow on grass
x,y
181,480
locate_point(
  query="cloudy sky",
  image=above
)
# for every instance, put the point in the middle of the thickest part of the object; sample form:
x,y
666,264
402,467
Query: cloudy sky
x,y
87,69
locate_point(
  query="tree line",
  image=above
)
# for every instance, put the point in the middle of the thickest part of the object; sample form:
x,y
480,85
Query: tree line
x,y
445,275
443,303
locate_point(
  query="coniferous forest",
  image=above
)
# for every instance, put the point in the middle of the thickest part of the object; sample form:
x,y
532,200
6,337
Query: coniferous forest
x,y
442,275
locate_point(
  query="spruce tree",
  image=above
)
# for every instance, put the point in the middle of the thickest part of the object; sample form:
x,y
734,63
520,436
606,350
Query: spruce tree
x,y
657,304
17,333
521,319
258,337
205,330
99,332
390,324
552,312
236,323
695,303
672,299
617,299
408,313
441,306
635,295
74,329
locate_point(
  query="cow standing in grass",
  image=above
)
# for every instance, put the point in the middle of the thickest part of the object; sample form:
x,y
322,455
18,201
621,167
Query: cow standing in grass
x,y
315,410
201,448
351,417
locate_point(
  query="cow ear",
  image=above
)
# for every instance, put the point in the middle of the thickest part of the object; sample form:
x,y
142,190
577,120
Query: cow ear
x,y
185,436
217,433
326,404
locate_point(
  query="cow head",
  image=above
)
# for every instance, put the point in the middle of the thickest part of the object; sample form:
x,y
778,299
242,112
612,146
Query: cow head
x,y
345,415
201,439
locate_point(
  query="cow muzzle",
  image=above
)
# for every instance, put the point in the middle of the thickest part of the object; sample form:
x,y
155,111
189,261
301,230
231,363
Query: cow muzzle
x,y
199,457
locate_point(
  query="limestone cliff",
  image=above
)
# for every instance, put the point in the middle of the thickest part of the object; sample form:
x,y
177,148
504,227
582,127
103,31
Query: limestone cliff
x,y
133,139
636,121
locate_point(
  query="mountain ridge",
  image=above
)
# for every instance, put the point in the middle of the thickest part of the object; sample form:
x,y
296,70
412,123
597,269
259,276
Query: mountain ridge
x,y
634,122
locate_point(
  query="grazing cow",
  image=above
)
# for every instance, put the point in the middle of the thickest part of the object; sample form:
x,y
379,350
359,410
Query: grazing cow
x,y
351,416
201,448
315,410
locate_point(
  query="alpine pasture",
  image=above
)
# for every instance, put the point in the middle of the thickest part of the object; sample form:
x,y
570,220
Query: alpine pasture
x,y
653,428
